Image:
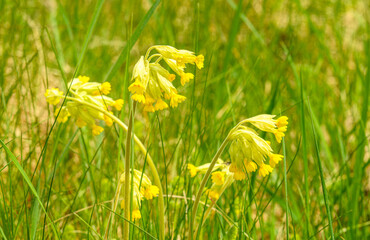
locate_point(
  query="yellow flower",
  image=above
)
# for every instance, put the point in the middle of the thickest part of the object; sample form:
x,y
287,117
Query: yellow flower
x,y
136,215
199,60
141,188
118,104
239,175
138,98
282,122
176,99
83,79
248,145
152,81
193,170
264,170
83,91
150,192
96,130
267,123
275,159
279,134
185,77
104,88
53,96
214,195
63,115
218,177
160,105
250,166
108,120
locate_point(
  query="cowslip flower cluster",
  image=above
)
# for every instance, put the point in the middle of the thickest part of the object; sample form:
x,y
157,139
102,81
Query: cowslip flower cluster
x,y
152,83
220,181
221,177
142,188
89,92
203,168
248,150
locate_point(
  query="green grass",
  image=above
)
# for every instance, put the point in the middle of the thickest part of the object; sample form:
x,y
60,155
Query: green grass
x,y
308,60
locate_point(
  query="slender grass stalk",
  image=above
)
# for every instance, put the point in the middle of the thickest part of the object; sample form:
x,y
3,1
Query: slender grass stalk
x,y
203,184
286,193
126,225
114,207
326,198
149,159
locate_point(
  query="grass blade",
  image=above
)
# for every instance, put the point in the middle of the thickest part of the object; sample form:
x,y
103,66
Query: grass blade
x,y
326,199
28,181
135,36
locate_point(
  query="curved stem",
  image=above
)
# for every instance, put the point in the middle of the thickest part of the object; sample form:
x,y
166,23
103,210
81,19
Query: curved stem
x,y
142,148
203,184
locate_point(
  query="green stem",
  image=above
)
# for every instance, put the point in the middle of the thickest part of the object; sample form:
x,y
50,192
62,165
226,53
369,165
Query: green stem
x,y
114,207
150,162
203,184
126,196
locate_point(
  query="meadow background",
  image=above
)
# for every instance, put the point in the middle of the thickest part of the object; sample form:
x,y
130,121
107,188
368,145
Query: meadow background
x,y
307,60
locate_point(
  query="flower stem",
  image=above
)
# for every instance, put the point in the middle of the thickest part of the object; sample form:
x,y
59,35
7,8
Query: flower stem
x,y
126,225
150,162
203,184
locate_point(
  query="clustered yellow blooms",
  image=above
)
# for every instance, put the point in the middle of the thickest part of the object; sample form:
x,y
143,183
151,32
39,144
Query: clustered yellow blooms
x,y
90,92
153,83
248,151
221,177
203,168
142,188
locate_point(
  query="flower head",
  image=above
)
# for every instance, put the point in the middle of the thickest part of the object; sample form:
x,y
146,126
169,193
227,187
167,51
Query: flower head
x,y
53,96
267,123
142,189
249,151
203,168
84,93
152,82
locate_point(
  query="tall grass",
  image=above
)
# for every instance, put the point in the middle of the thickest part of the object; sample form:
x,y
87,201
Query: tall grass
x,y
308,60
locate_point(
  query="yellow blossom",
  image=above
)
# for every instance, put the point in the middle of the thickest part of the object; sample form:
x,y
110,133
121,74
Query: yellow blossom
x,y
83,79
150,192
96,130
250,166
136,214
108,120
193,170
160,105
214,195
152,81
53,96
218,177
176,99
275,159
239,175
118,104
264,170
63,114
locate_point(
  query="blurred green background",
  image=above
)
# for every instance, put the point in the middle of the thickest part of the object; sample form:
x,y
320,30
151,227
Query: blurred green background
x,y
307,60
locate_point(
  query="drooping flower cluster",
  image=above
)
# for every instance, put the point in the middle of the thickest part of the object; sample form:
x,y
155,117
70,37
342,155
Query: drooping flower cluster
x,y
142,188
88,92
220,181
221,177
249,151
153,83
